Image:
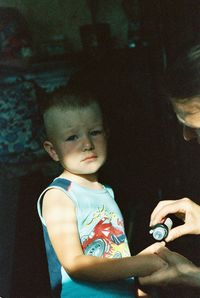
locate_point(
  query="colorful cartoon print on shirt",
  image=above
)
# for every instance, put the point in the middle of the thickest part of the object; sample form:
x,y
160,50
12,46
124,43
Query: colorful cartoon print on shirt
x,y
106,239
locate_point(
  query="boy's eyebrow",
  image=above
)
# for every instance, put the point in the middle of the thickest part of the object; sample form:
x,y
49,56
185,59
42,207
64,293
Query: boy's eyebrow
x,y
72,129
69,130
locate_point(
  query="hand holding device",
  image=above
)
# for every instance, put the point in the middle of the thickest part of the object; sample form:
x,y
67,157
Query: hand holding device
x,y
161,230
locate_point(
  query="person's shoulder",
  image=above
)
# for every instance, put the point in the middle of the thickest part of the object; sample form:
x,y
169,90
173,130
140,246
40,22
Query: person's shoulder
x,y
62,183
56,206
57,209
109,189
56,197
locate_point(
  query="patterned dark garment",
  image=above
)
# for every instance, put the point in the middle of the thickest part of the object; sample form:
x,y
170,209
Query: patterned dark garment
x,y
20,133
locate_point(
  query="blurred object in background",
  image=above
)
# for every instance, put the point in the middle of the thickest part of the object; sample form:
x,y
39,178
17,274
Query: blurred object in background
x,y
15,38
133,13
20,135
95,36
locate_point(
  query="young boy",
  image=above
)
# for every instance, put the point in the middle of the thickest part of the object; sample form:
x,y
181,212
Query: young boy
x,y
87,250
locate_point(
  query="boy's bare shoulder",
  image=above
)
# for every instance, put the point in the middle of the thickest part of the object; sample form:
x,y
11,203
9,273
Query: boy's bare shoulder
x,y
56,198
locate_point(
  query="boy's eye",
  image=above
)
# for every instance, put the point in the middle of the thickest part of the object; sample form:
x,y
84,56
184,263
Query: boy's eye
x,y
96,132
72,138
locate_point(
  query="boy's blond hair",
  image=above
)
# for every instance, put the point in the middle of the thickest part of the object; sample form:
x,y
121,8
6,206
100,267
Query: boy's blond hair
x,y
65,98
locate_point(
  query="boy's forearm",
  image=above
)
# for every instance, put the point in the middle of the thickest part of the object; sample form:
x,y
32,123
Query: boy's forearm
x,y
105,269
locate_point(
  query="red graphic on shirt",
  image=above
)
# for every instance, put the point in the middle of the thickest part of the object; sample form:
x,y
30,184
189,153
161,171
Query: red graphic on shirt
x,y
103,240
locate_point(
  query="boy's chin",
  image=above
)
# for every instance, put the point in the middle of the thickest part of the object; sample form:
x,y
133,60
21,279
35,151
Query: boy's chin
x,y
91,169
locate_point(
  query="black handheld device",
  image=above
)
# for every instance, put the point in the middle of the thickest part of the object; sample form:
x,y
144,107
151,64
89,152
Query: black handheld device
x,y
161,230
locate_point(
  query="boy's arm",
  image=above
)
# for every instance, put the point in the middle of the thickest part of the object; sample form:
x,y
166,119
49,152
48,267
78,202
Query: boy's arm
x,y
60,217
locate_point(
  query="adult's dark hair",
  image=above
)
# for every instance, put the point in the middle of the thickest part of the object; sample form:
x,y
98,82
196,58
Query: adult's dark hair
x,y
182,77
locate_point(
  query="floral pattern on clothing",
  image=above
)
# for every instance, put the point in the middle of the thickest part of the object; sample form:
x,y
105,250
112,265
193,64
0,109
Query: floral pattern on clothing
x,y
21,130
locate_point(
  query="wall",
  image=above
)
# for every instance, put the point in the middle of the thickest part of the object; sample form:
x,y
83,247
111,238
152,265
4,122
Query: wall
x,y
63,18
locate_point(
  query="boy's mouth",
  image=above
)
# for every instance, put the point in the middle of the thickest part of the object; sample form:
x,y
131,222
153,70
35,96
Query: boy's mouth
x,y
90,158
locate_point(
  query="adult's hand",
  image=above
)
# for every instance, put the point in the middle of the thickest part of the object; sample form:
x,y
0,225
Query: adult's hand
x,y
184,209
180,271
152,249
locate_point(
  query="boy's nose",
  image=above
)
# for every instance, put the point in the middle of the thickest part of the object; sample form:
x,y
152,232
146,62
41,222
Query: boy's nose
x,y
189,133
87,144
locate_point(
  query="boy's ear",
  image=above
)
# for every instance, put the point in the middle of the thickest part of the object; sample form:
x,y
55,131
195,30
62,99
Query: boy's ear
x,y
48,146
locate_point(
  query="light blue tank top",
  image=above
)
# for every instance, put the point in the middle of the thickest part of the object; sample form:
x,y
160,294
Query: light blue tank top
x,y
101,230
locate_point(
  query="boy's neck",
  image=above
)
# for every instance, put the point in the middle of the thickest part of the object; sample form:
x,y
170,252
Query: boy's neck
x,y
89,181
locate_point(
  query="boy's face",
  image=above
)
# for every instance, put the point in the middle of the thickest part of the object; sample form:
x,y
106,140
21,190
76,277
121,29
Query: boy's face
x,y
78,139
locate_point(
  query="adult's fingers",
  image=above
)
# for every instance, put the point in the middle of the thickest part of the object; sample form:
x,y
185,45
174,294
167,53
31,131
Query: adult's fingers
x,y
154,248
175,272
172,258
177,232
158,278
165,208
158,209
